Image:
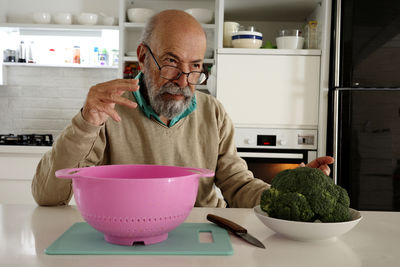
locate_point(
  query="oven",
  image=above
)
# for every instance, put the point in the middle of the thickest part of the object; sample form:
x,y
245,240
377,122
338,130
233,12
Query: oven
x,y
269,151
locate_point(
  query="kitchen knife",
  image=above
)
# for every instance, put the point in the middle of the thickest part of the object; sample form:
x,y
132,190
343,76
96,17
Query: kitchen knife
x,y
235,229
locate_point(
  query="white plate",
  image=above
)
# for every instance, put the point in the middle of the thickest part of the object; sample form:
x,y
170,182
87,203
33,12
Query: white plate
x,y
307,231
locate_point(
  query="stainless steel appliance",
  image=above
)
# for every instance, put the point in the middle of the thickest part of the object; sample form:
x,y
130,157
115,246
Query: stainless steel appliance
x,y
269,151
365,102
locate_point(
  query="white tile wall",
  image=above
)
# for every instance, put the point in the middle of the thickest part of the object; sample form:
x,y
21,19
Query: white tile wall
x,y
44,99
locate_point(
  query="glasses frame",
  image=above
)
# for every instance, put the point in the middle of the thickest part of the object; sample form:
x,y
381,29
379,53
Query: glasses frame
x,y
181,72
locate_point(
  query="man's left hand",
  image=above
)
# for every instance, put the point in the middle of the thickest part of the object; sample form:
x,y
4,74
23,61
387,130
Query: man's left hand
x,y
321,163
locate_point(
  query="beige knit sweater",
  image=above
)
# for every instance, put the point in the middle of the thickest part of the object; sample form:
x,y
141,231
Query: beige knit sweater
x,y
203,139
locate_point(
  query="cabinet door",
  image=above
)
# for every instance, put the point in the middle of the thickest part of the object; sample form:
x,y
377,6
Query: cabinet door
x,y
272,90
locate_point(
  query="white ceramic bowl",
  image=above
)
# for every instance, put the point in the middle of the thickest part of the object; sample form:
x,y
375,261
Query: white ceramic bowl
x,y
41,17
62,18
88,18
307,231
108,20
290,42
140,14
247,39
202,15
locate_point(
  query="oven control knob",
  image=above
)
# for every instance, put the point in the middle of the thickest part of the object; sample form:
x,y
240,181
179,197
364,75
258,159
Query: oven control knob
x,y
248,141
282,142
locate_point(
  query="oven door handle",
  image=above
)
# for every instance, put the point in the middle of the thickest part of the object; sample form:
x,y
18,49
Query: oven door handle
x,y
271,155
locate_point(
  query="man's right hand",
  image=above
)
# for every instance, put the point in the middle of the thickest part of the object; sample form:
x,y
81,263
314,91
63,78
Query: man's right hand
x,y
102,97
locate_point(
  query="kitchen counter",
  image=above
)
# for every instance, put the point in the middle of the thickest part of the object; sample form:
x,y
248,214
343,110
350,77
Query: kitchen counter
x,y
40,150
26,230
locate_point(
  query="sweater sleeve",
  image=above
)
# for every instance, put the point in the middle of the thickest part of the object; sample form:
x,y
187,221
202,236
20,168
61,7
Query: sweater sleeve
x,y
238,185
79,145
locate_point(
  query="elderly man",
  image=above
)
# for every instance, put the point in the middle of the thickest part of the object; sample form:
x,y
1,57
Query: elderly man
x,y
157,118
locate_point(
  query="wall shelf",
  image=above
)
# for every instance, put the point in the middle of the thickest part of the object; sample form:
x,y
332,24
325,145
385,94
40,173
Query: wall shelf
x,y
262,51
59,27
11,64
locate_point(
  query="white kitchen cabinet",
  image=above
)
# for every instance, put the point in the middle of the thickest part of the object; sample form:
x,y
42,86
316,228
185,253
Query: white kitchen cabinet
x,y
271,89
18,166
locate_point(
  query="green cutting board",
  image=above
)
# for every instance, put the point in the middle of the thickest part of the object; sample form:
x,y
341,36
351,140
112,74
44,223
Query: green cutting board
x,y
82,239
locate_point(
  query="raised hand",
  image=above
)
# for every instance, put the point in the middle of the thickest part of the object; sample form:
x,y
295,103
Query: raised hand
x,y
321,163
102,97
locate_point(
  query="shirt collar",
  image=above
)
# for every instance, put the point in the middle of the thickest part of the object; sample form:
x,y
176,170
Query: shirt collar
x,y
149,112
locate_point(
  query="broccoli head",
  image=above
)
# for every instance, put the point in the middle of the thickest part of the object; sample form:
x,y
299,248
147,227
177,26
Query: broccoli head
x,y
306,194
286,205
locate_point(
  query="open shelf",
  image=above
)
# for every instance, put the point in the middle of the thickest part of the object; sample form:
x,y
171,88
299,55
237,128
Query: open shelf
x,y
263,51
12,64
59,27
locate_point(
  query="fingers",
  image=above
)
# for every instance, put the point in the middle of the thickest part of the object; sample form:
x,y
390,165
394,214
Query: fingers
x,y
114,98
320,161
325,169
322,164
102,97
112,113
122,85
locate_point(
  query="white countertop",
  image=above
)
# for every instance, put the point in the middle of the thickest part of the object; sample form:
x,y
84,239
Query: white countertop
x,y
25,149
26,230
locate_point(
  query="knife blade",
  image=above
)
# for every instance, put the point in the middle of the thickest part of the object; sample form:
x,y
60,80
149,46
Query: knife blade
x,y
236,229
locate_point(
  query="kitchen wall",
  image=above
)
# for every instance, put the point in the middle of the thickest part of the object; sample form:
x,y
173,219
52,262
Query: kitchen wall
x,y
44,99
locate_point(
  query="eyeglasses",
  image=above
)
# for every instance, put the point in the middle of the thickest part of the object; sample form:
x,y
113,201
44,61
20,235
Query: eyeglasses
x,y
172,73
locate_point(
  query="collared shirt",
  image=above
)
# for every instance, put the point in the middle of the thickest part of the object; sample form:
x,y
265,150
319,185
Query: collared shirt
x,y
149,111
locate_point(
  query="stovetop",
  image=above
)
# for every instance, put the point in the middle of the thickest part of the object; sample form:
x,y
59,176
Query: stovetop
x,y
26,139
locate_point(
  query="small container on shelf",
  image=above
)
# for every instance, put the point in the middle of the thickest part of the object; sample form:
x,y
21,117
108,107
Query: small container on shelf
x,y
103,57
311,35
114,57
290,39
52,56
22,53
247,37
68,55
94,56
76,55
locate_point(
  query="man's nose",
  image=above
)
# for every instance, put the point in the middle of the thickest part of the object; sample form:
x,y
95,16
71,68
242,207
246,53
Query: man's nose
x,y
182,82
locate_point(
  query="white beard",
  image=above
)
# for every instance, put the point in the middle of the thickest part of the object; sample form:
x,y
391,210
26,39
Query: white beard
x,y
167,108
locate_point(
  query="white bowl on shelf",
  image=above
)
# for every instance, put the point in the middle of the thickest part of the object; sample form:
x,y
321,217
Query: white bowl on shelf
x,y
62,18
202,15
88,18
41,17
247,39
290,42
108,20
139,14
307,231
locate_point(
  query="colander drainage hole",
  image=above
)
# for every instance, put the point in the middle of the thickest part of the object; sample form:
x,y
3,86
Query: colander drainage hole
x,y
138,243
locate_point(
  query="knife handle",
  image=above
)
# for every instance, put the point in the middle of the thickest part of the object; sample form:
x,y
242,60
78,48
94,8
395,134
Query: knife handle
x,y
227,224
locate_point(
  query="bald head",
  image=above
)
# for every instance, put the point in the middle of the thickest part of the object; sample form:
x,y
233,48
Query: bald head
x,y
174,26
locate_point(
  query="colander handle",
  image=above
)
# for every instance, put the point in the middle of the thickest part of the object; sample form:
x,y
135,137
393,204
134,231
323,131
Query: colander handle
x,y
68,173
201,172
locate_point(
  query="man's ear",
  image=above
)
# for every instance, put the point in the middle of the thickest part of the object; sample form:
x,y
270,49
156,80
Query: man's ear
x,y
141,55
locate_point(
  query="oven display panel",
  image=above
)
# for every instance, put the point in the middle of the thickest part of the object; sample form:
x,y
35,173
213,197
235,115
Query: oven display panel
x,y
266,140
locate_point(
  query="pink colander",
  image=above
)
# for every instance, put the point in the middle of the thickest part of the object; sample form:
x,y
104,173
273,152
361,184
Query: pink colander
x,y
134,203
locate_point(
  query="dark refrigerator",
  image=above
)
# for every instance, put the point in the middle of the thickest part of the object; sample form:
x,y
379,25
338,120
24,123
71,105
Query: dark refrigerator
x,y
364,102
